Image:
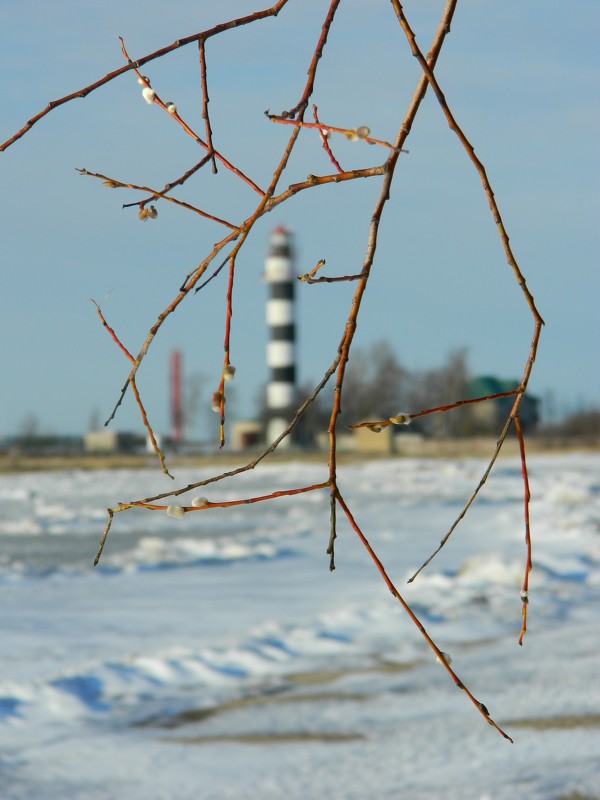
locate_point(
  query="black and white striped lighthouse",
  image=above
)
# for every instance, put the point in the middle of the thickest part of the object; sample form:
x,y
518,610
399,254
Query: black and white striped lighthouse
x,y
281,358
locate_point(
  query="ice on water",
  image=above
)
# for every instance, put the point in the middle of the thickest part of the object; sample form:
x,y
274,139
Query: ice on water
x,y
216,656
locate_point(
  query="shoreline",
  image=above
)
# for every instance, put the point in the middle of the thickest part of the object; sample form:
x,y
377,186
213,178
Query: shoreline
x,y
478,447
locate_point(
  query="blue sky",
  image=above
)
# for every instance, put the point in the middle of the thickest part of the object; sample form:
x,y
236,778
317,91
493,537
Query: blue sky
x,y
523,85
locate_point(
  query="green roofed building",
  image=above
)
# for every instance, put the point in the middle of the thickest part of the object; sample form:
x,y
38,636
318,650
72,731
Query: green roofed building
x,y
489,415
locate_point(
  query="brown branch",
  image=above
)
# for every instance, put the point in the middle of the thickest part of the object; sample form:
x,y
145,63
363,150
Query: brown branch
x,y
171,110
171,308
230,473
321,180
538,321
151,436
432,80
528,560
389,168
309,277
163,51
205,102
440,655
226,347
136,393
154,195
178,182
300,108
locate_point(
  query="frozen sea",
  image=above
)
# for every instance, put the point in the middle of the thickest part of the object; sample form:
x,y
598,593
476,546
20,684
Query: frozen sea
x,y
217,657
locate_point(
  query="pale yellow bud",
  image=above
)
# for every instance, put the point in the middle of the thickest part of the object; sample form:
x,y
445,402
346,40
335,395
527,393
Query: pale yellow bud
x,y
229,372
110,184
143,214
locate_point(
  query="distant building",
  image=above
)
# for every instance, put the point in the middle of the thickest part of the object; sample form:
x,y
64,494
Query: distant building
x,y
490,415
110,441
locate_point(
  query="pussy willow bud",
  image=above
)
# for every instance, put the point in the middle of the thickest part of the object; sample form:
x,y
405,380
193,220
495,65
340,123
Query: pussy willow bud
x,y
229,372
176,511
171,108
199,502
215,401
143,214
352,136
152,212
143,81
363,132
446,657
401,419
149,95
110,184
374,428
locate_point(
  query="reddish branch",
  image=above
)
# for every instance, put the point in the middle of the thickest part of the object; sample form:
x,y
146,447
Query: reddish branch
x,y
349,133
211,504
384,423
325,141
136,393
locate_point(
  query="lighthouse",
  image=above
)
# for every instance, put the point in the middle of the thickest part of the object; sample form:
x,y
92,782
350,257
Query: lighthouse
x,y
281,359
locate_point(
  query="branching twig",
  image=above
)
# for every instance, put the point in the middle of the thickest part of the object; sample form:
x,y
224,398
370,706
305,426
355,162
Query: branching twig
x,y
163,51
154,195
134,388
172,112
236,239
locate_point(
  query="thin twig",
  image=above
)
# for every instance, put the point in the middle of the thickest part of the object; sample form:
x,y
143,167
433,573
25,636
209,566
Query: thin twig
x,y
177,117
349,133
440,656
325,142
205,102
409,417
389,168
154,195
527,499
163,51
211,504
138,399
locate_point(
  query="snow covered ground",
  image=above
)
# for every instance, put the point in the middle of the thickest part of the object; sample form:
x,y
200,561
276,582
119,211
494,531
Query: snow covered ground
x,y
217,657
